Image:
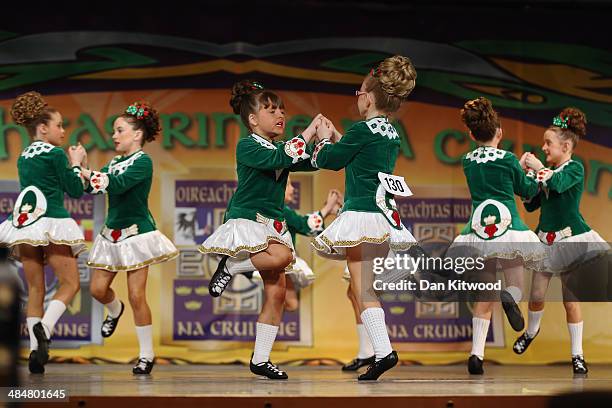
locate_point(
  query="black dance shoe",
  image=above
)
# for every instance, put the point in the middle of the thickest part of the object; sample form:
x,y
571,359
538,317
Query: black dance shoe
x,y
143,366
513,313
269,370
357,363
110,323
521,344
220,280
377,368
34,365
475,365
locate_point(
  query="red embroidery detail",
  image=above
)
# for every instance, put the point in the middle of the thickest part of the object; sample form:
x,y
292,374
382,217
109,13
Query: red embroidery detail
x,y
115,234
396,218
300,151
550,238
300,143
278,226
490,230
23,217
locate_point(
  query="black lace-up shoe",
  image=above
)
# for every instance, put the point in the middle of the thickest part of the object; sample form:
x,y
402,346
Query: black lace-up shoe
x,y
110,323
143,366
220,279
377,368
521,344
357,363
269,370
579,365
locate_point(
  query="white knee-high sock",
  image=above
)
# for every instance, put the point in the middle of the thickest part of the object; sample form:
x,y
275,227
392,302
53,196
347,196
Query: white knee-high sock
x,y
575,331
365,345
145,340
533,322
114,307
265,334
31,321
373,319
55,310
480,328
235,267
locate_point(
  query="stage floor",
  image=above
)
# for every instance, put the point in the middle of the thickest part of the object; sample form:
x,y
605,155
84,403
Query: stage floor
x,y
235,381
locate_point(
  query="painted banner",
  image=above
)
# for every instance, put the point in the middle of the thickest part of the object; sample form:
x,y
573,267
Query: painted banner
x,y
90,77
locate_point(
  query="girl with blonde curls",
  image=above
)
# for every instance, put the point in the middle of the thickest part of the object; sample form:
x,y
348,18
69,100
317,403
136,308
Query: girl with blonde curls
x,y
369,225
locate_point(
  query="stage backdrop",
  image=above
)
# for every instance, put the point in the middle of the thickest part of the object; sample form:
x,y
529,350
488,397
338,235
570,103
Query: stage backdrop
x,y
194,175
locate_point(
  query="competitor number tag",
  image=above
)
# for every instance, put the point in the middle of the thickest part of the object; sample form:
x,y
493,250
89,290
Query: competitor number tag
x,y
395,185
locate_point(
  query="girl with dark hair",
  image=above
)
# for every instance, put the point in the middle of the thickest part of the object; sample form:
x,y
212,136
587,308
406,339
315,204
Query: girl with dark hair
x,y
129,241
495,231
569,241
40,229
255,235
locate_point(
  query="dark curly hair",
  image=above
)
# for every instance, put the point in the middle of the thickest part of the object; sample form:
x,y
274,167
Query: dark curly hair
x,y
479,116
576,125
30,110
149,123
249,96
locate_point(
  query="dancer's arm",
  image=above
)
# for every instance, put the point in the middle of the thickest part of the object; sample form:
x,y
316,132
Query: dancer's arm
x,y
103,182
69,176
525,185
335,156
264,155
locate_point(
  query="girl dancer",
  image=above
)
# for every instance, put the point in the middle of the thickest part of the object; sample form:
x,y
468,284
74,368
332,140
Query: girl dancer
x,y
40,229
253,236
569,240
369,225
129,241
495,231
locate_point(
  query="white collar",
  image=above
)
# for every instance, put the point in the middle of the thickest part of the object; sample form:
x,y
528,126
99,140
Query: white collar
x,y
262,141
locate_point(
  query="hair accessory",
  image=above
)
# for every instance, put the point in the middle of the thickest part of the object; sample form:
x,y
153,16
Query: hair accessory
x,y
256,85
137,110
375,72
562,122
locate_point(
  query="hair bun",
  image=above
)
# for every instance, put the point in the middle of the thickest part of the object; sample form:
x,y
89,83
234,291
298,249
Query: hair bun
x,y
148,116
27,107
240,90
480,117
577,120
397,76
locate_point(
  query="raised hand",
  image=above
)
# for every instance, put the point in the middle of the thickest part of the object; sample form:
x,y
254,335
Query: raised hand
x,y
522,160
339,198
533,162
330,203
325,129
311,130
77,155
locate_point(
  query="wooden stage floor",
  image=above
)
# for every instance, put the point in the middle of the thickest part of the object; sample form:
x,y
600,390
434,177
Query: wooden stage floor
x,y
228,386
